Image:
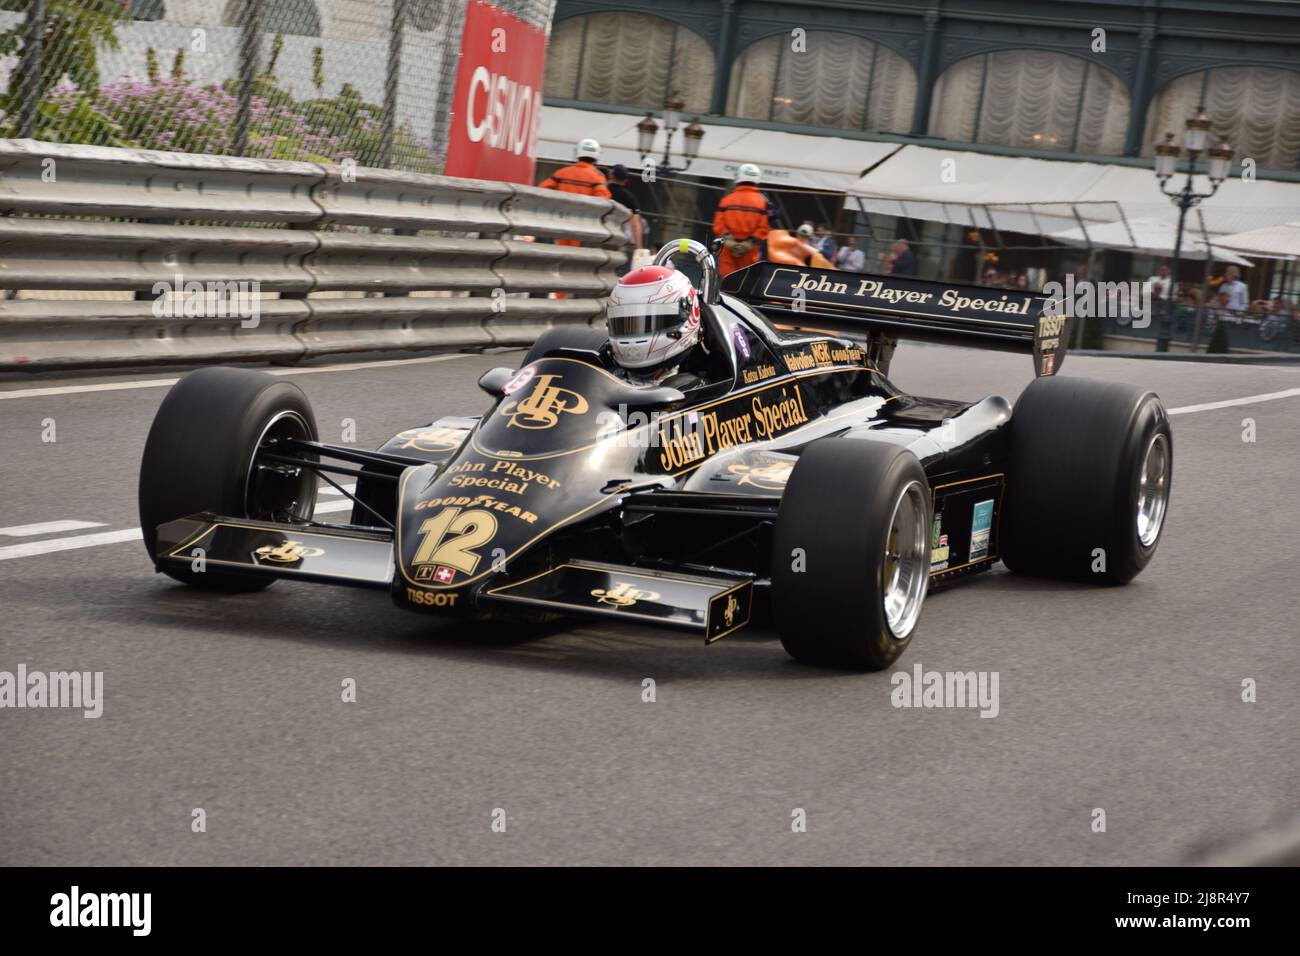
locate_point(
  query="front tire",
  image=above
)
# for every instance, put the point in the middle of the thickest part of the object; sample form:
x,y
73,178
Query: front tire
x,y
1088,488
851,554
201,456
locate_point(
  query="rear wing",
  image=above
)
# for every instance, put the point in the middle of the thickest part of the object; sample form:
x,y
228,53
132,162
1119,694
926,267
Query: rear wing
x,y
853,303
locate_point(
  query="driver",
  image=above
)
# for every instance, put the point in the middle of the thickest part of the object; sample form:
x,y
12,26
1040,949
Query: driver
x,y
654,328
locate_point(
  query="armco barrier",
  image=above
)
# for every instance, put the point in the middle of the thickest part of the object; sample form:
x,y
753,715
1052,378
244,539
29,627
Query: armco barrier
x,y
343,260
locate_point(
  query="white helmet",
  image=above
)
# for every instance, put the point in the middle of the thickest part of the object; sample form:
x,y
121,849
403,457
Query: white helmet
x,y
748,173
654,317
589,149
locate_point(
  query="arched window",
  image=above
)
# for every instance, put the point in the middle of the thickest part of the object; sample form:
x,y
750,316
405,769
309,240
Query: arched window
x,y
628,59
839,80
292,17
1256,109
1034,99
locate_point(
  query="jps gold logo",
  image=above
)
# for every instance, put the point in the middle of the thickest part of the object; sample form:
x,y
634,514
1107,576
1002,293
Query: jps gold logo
x,y
623,594
432,439
544,405
772,476
287,553
733,606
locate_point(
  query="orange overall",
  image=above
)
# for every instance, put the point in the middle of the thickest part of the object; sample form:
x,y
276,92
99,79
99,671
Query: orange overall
x,y
583,178
742,216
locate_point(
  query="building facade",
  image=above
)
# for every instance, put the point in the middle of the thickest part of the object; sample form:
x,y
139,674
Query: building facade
x,y
1087,78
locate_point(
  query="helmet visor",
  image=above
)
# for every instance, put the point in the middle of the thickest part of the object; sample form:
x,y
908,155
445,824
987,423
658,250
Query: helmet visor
x,y
643,319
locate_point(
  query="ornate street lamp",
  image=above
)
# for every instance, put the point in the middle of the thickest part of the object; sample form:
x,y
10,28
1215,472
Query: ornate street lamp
x,y
646,132
1195,137
648,129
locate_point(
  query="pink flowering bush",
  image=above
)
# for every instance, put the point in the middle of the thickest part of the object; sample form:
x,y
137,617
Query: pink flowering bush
x,y
183,115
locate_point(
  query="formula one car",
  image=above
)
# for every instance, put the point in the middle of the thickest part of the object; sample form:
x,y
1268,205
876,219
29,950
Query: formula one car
x,y
794,485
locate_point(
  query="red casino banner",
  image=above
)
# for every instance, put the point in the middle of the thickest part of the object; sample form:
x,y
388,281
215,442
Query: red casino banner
x,y
497,103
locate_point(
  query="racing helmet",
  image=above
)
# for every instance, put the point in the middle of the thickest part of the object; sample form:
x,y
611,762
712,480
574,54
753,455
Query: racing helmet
x,y
653,316
588,149
748,173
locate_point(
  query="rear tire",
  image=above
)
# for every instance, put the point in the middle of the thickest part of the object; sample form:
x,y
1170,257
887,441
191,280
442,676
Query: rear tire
x,y
1088,487
851,554
200,457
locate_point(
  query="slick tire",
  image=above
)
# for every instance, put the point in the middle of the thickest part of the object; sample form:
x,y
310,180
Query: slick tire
x,y
587,340
1089,480
199,457
851,554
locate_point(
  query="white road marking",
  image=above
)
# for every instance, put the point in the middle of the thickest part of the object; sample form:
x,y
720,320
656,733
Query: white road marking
x,y
33,548
161,382
1248,400
331,490
48,527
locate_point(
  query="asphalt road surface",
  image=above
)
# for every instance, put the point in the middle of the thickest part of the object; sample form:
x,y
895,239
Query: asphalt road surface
x,y
1126,700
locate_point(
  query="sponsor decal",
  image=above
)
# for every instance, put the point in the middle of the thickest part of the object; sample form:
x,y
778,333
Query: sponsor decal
x,y
431,598
544,405
487,502
496,107
741,339
500,476
824,355
686,441
729,613
758,374
290,552
771,476
623,594
981,526
879,293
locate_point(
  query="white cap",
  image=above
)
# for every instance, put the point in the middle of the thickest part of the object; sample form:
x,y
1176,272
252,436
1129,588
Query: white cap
x,y
748,173
588,149
805,230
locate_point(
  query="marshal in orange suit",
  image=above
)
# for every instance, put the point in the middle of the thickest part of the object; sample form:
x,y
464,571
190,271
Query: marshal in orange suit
x,y
741,221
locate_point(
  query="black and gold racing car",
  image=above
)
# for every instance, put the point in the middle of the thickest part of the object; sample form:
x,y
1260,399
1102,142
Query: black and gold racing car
x,y
794,485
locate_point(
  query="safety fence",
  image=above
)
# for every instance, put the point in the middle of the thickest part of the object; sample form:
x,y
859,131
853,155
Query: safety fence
x,y
113,257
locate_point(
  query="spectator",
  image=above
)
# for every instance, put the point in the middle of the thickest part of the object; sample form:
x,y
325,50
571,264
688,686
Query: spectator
x,y
991,277
901,261
1236,291
634,228
825,242
849,257
1162,286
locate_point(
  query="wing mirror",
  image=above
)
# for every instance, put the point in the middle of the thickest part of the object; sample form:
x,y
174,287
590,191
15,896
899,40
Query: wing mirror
x,y
494,381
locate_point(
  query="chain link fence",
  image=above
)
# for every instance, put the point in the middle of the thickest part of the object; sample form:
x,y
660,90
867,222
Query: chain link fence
x,y
314,80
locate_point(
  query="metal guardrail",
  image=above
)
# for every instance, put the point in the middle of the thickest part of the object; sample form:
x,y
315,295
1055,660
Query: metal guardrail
x,y
343,260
